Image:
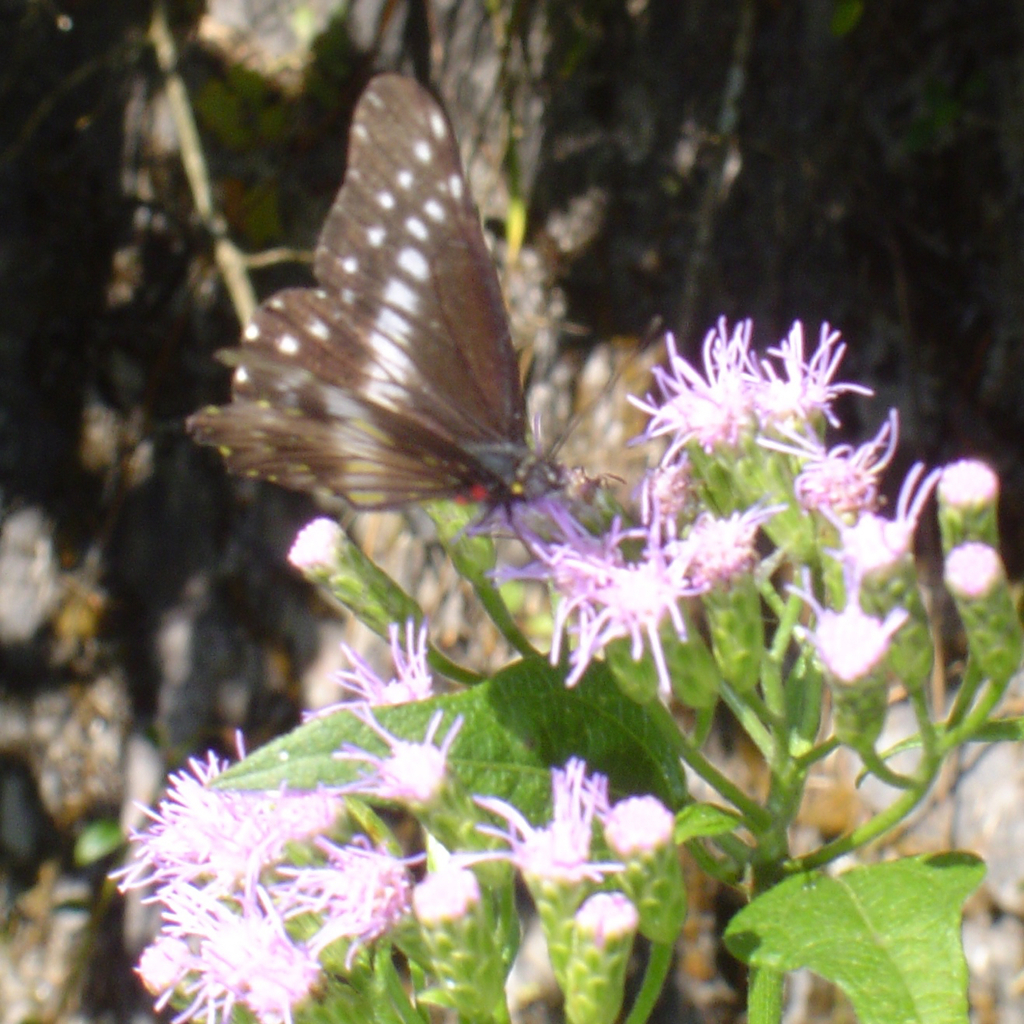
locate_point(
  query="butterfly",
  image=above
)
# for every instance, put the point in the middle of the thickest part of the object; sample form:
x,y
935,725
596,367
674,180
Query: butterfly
x,y
395,381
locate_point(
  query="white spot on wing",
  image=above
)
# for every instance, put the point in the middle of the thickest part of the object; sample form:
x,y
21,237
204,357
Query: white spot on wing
x,y
422,151
241,375
416,228
386,199
276,303
438,126
360,132
413,263
320,293
339,405
376,235
393,324
391,358
404,178
434,210
348,296
252,332
288,345
318,328
455,184
373,99
399,294
350,264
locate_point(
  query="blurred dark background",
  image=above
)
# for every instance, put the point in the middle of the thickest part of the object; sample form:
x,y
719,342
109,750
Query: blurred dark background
x,y
822,160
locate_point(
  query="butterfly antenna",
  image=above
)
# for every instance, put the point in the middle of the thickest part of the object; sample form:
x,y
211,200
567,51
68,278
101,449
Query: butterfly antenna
x,y
654,331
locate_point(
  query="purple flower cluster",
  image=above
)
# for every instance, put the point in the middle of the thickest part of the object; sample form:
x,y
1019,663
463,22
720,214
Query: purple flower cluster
x,y
216,861
740,394
227,939
723,427
609,592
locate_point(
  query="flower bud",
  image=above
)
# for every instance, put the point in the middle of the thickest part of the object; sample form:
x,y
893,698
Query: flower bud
x,y
315,551
472,553
695,674
968,494
859,711
602,937
367,591
556,902
853,648
737,631
975,577
460,935
638,831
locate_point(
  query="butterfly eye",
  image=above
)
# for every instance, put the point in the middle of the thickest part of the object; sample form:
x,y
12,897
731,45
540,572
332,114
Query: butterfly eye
x,y
395,380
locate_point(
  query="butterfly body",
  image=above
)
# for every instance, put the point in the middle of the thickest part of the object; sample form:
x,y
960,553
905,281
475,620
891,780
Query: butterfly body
x,y
396,380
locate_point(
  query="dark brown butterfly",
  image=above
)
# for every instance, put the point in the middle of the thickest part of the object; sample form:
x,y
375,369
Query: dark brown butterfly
x,y
396,380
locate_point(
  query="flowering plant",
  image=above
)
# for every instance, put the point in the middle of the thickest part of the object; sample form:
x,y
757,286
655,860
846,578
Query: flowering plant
x,y
758,574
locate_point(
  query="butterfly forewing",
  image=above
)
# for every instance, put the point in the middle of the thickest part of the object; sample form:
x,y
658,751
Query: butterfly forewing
x,y
404,240
396,380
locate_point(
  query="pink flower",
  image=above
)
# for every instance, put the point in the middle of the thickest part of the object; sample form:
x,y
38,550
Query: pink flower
x,y
219,837
605,595
807,389
873,543
559,852
715,411
843,479
412,681
414,773
719,550
359,894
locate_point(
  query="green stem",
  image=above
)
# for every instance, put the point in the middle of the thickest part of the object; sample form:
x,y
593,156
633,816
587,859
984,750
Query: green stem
x,y
789,616
769,594
757,817
452,670
805,761
868,832
658,963
496,608
764,998
969,685
704,720
737,852
975,718
877,767
749,709
771,687
730,869
925,725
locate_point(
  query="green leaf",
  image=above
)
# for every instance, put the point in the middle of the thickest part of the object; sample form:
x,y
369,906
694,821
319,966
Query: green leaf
x,y
888,935
97,840
515,728
700,821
